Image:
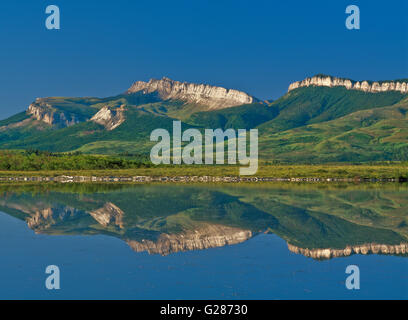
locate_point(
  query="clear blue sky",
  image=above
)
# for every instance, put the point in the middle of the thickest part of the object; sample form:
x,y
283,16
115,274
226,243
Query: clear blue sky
x,y
255,46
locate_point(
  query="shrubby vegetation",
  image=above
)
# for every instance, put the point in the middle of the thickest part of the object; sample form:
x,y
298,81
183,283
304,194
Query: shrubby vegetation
x,y
35,160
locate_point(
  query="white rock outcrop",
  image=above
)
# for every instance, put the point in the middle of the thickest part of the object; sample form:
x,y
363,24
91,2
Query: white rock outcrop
x,y
366,86
43,111
211,96
110,118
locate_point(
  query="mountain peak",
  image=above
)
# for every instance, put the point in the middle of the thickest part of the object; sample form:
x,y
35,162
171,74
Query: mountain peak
x,y
322,80
212,96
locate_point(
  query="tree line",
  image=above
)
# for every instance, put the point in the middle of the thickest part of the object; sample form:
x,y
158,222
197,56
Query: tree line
x,y
34,160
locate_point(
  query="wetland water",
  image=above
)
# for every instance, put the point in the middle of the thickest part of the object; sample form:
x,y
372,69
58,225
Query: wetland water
x,y
195,241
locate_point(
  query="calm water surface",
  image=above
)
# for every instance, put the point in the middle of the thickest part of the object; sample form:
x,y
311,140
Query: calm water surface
x,y
278,241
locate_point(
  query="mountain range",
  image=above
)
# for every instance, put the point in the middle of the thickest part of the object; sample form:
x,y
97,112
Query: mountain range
x,y
320,119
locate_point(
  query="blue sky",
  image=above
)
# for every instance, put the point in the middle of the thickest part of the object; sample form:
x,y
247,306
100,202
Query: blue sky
x,y
256,46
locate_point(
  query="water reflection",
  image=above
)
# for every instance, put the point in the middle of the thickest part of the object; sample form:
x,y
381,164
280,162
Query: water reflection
x,y
318,221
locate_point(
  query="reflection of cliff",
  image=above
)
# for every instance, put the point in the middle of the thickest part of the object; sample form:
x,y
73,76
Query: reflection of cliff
x,y
108,214
208,236
41,216
45,218
369,248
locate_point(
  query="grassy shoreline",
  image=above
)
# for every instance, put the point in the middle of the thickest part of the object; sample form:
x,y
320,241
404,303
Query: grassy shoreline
x,y
271,171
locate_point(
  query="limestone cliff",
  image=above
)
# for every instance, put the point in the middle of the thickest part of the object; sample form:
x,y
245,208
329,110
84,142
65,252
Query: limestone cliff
x,y
207,236
368,248
366,86
213,97
110,118
43,111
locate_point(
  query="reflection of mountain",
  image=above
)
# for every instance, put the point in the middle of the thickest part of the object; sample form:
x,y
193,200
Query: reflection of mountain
x,y
207,236
170,218
369,248
44,219
108,214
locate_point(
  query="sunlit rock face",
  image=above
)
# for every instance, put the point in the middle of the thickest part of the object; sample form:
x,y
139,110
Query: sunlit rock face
x,y
369,248
373,87
208,236
211,96
110,118
42,111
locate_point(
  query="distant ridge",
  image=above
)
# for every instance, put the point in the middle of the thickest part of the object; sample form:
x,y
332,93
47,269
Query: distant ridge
x,y
321,80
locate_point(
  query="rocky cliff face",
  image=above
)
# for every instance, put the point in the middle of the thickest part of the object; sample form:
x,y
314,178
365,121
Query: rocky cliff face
x,y
42,111
110,118
369,248
366,86
214,97
208,236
